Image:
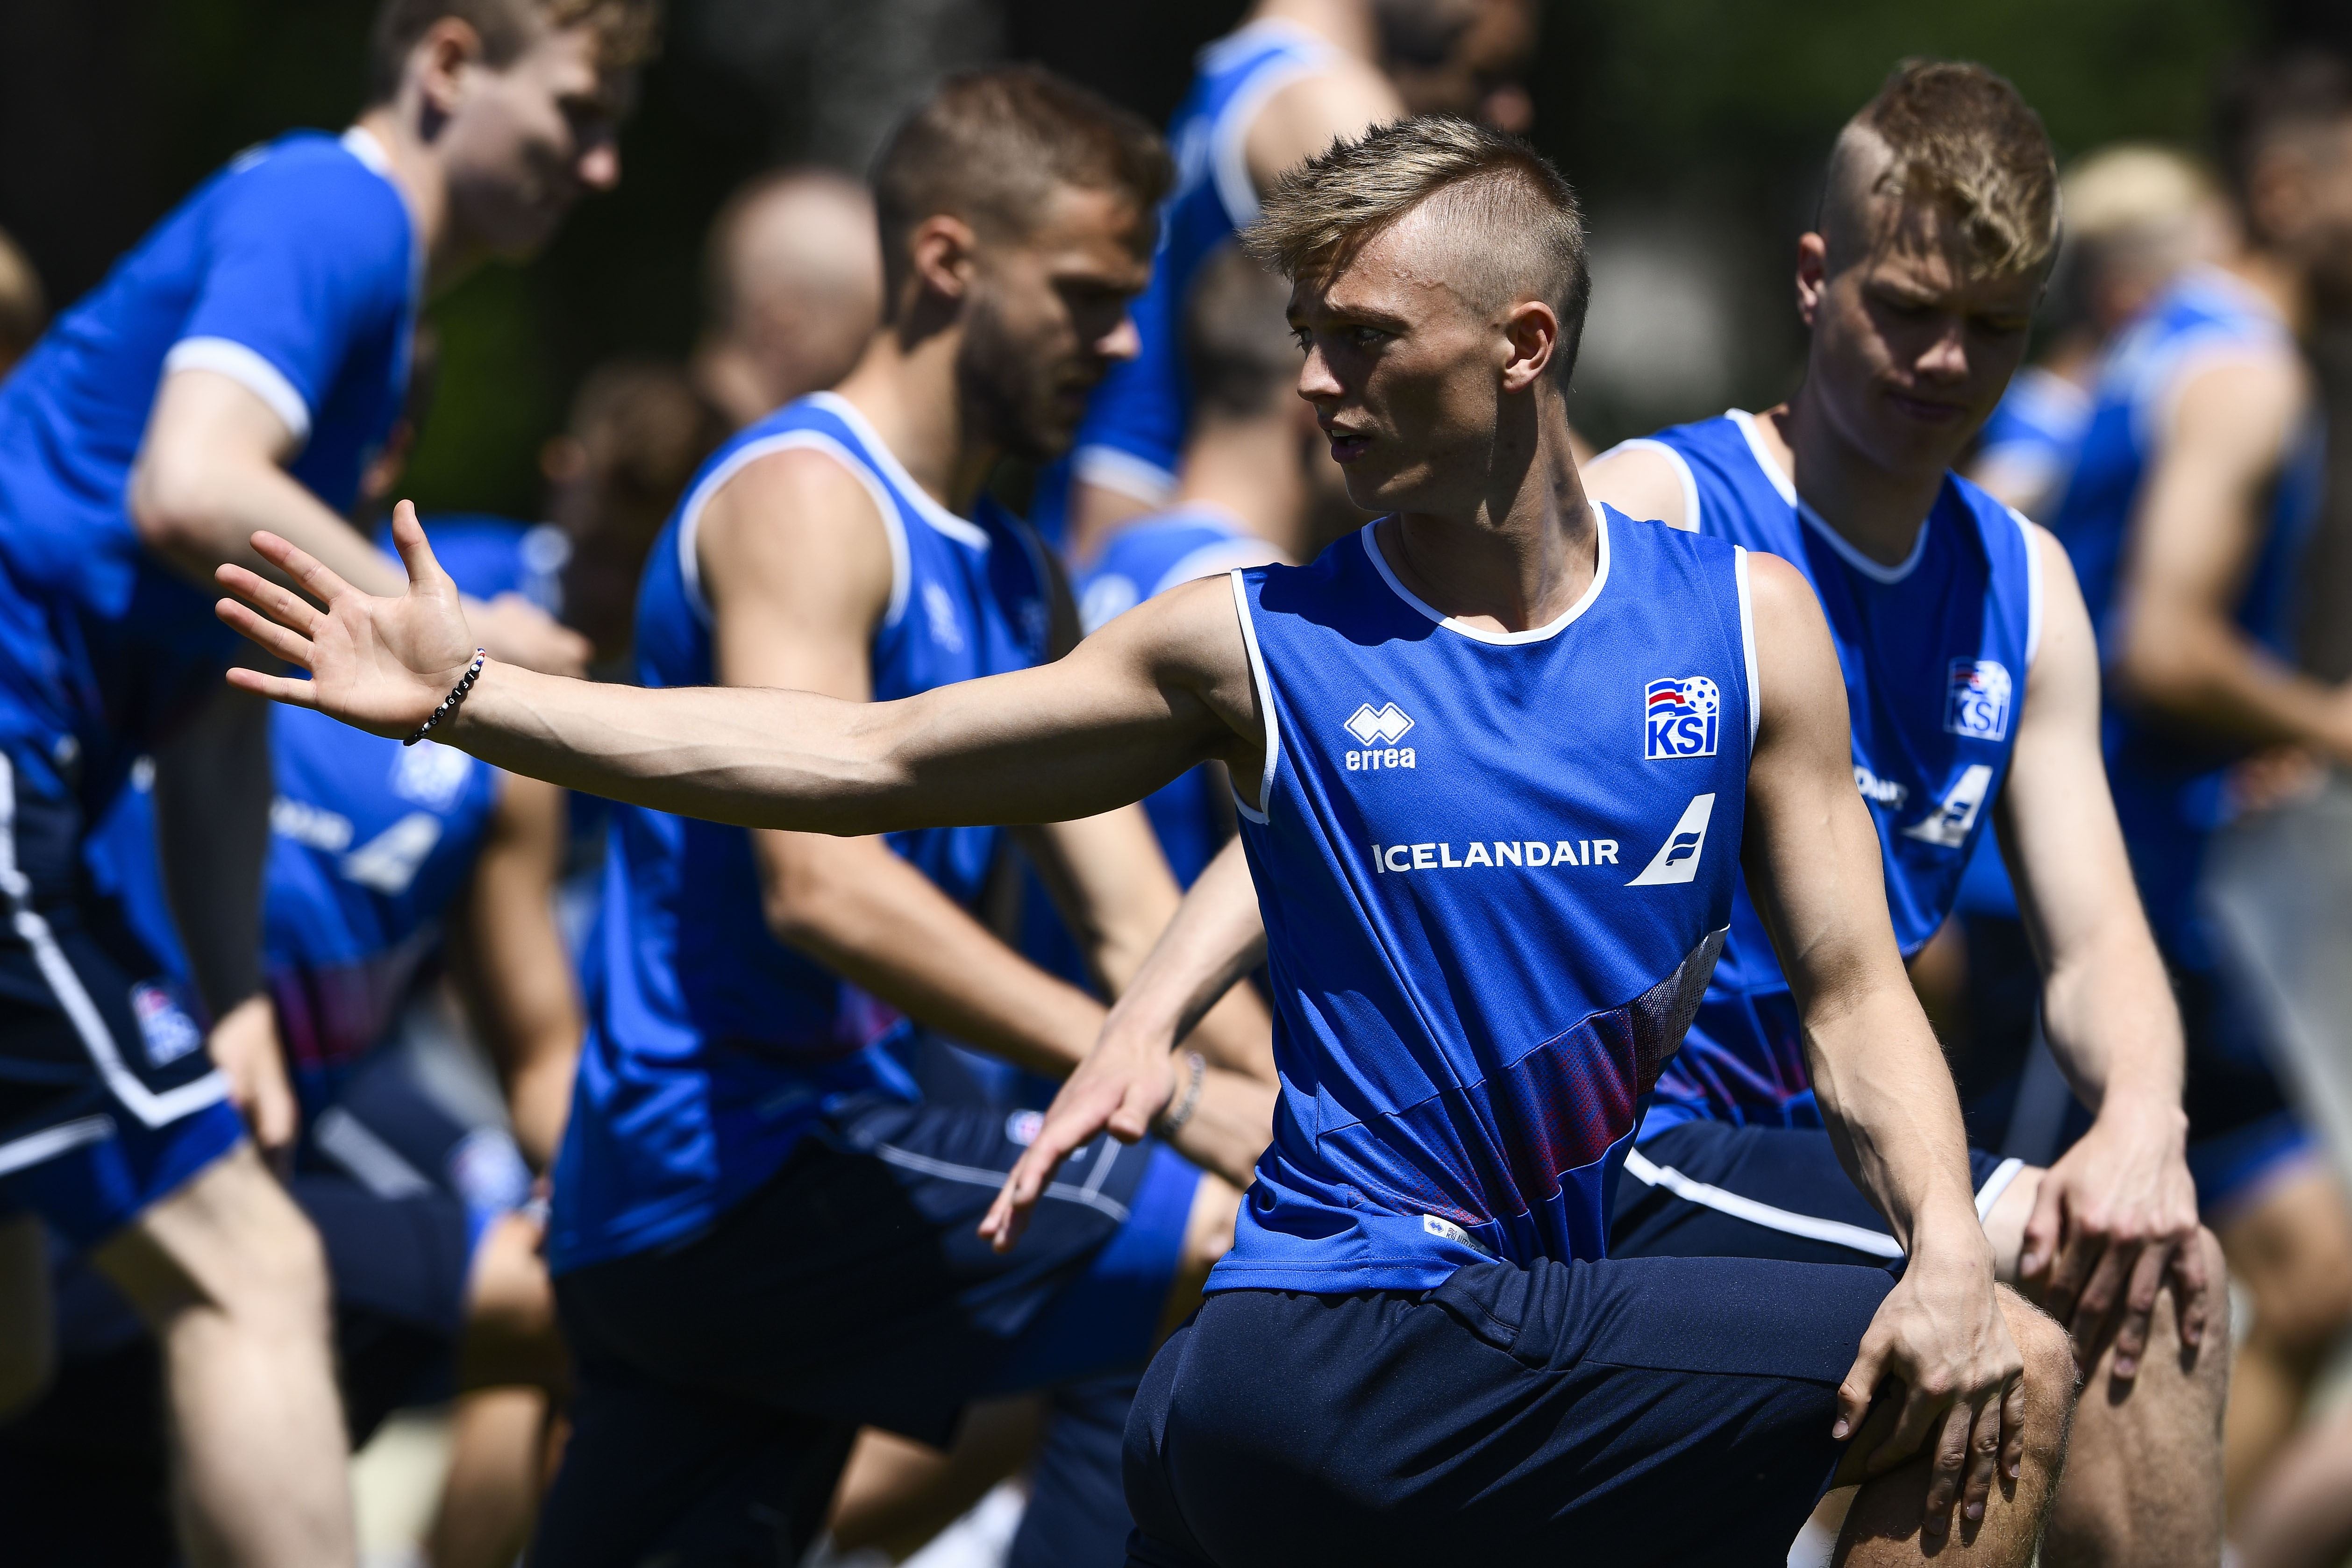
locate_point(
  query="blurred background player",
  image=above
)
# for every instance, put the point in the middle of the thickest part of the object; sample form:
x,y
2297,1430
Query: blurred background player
x,y
2186,516
792,287
763,1228
1295,74
2136,214
23,310
235,369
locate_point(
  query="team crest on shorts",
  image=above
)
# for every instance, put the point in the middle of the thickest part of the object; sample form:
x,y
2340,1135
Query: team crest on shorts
x,y
165,1026
1977,699
1680,717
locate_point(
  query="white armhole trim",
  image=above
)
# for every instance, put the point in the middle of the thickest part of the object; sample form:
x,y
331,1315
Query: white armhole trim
x,y
689,517
1748,643
225,356
1138,479
2032,586
1265,705
1690,522
1229,138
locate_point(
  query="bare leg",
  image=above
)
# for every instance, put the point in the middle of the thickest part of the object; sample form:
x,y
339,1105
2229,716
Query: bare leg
x,y
491,1496
896,1493
229,1277
513,1357
2301,1515
1883,1530
27,1337
2292,1249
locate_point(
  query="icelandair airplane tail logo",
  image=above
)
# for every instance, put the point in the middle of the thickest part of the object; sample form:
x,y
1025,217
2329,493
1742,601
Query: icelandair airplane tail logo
x,y
1976,699
1680,717
1948,824
1387,724
1678,858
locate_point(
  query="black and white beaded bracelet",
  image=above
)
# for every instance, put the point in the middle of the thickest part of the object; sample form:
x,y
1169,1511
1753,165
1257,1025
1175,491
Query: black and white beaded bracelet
x,y
457,695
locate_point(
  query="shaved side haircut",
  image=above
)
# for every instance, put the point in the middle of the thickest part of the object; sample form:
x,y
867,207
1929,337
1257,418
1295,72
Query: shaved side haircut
x,y
627,32
1955,136
992,146
1519,233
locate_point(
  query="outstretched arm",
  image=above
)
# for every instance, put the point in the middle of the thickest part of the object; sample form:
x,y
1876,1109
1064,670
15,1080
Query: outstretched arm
x,y
2118,1210
1813,862
1132,1076
1166,687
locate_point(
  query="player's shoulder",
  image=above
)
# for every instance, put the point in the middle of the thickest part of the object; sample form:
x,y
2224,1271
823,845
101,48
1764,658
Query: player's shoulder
x,y
316,178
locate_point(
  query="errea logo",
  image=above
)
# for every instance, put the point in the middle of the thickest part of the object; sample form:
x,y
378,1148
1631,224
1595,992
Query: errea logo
x,y
1371,726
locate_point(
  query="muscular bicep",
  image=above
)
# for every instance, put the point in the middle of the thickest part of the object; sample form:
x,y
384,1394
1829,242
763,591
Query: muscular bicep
x,y
794,561
1301,119
1642,482
2057,821
1811,854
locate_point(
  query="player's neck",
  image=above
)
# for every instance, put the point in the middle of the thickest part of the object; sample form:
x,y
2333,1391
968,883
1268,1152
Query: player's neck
x,y
1876,510
2280,282
417,175
1346,23
910,393
1251,469
1513,560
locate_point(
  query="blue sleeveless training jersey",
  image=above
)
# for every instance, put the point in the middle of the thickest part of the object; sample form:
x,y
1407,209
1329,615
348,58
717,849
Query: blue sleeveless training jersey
x,y
293,272
711,1046
2169,787
1134,423
368,840
1495,870
1935,651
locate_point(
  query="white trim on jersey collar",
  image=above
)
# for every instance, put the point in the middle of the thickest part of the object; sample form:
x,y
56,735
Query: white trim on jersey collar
x,y
362,144
963,530
1838,541
1500,640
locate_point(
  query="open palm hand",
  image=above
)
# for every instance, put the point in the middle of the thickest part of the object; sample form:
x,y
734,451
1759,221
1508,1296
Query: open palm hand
x,y
379,663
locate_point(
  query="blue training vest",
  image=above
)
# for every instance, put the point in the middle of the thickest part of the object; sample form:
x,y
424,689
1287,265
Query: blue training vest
x,y
1935,652
2170,786
1495,870
1137,416
713,1047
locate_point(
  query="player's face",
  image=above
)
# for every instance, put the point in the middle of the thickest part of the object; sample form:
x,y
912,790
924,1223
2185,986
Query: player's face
x,y
1909,353
1478,72
1402,373
528,141
1047,317
2325,222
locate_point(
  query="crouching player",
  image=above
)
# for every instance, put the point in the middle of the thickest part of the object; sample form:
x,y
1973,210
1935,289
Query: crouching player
x,y
1418,1338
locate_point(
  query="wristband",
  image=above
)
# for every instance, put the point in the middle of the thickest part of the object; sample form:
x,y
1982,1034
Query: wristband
x,y
1172,1121
457,695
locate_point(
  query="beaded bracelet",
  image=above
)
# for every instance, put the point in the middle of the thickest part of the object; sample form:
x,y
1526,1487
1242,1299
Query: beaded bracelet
x,y
1173,1122
457,695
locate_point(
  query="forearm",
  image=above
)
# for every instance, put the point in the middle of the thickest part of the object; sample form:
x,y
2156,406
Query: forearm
x,y
1230,1126
2195,669
200,512
2108,1013
1887,1098
870,916
213,788
1217,937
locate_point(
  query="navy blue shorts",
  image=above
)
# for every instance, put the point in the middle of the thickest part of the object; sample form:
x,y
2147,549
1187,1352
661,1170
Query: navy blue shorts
x,y
108,1099
2244,1133
1710,1189
720,1380
1555,1413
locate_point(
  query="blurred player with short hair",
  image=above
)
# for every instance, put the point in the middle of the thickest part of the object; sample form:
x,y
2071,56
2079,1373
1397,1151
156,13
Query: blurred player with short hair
x,y
792,289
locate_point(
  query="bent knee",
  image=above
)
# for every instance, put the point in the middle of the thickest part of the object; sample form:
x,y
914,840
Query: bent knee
x,y
2050,1376
233,1242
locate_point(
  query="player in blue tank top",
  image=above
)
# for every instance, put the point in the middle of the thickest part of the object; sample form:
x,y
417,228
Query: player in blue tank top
x,y
1493,887
235,370
2186,520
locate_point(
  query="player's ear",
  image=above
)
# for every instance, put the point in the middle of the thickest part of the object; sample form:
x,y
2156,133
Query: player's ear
x,y
942,249
1812,276
437,62
1531,330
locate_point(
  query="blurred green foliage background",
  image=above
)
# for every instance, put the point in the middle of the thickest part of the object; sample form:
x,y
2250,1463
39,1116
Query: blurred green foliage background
x,y
1702,120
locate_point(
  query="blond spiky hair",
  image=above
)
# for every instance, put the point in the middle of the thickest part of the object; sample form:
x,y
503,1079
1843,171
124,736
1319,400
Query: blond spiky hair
x,y
1520,232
